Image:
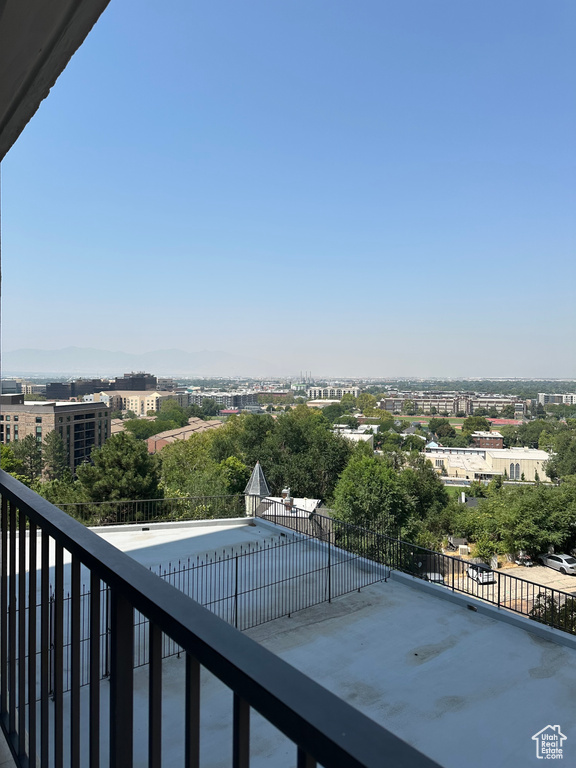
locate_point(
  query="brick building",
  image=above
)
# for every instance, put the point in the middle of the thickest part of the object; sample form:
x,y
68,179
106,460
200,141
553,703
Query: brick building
x,y
487,439
82,426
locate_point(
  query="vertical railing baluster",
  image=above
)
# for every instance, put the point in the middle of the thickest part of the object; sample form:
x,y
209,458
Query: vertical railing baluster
x,y
4,608
12,651
121,681
21,633
240,733
192,713
155,697
95,639
75,662
32,661
58,656
44,648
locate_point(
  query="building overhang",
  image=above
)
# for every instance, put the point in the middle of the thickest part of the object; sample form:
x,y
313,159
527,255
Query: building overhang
x,y
37,40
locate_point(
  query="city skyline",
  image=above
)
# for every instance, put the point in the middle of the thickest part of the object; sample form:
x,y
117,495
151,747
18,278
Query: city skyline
x,y
374,191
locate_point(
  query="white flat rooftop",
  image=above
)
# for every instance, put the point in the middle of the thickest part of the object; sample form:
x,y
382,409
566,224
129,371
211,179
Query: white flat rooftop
x,y
464,688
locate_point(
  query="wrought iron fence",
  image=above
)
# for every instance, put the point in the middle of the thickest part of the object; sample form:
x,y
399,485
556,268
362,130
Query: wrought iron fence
x,y
155,510
247,586
553,607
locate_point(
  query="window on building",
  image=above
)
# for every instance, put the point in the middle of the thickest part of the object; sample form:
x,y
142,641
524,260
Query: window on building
x,y
7,418
511,473
517,471
38,419
15,418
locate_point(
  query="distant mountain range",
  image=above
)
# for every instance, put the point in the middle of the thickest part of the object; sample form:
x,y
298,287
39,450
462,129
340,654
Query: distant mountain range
x,y
80,361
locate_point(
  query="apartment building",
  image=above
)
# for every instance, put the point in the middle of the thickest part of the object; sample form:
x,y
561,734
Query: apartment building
x,y
331,393
567,398
449,402
82,426
138,402
225,399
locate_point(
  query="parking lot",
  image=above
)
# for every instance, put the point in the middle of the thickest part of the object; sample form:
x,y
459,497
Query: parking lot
x,y
541,574
517,588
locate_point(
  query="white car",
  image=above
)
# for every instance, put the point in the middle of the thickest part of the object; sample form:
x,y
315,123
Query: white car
x,y
562,563
481,574
434,578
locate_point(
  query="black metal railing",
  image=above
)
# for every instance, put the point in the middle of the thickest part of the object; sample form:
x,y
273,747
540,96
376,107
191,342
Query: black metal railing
x,y
70,729
155,510
547,605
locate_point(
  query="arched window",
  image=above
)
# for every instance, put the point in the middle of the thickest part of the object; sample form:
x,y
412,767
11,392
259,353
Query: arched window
x,y
511,471
517,471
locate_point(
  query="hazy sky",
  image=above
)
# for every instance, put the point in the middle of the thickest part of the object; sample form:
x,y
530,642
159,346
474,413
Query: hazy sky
x,y
360,187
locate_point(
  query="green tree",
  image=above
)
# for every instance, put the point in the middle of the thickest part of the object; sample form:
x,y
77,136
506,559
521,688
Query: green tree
x,y
235,473
441,428
413,443
508,411
210,407
369,494
348,401
143,429
546,610
28,453
188,468
171,411
366,403
8,461
423,486
55,457
562,463
475,424
333,412
121,470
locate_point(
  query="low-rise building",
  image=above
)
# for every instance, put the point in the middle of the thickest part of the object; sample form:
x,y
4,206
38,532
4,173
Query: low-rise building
x,y
195,426
487,439
486,463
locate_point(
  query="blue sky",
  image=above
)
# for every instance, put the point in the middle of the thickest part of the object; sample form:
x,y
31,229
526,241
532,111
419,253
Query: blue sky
x,y
356,188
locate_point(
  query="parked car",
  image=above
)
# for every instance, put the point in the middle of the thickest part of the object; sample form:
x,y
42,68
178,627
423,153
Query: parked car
x,y
481,573
562,563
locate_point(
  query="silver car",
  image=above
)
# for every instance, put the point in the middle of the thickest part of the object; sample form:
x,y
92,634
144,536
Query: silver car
x,y
562,563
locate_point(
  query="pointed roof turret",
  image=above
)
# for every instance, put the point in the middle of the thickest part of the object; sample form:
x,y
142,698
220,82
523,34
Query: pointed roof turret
x,y
257,485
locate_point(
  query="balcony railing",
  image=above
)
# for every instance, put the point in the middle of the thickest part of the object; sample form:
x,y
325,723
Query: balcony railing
x,y
323,728
156,510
